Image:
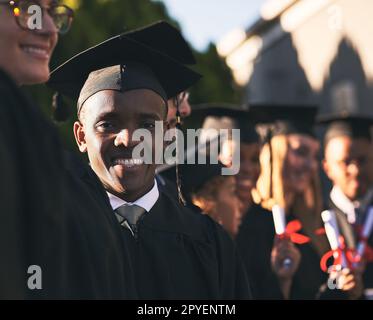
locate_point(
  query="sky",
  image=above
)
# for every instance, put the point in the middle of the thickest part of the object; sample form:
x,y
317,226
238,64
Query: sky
x,y
205,21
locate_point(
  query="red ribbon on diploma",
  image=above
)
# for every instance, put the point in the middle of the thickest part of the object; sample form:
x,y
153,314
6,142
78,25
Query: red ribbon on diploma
x,y
291,232
351,256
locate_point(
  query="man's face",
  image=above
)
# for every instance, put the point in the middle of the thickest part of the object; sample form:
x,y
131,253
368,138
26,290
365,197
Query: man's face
x,y
347,165
108,121
25,54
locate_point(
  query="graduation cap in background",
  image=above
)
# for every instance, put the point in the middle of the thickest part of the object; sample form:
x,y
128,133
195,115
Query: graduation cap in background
x,y
194,176
159,48
346,124
275,119
225,116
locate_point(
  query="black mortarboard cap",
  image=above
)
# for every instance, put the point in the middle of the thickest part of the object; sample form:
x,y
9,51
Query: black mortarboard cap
x,y
165,38
121,63
346,124
284,119
193,174
226,116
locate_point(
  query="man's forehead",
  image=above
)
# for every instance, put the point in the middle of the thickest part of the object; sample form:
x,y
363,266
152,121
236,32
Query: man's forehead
x,y
345,146
111,100
112,103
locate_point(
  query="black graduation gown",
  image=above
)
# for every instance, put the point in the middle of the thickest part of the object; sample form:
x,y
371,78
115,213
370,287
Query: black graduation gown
x,y
47,218
350,236
182,254
255,242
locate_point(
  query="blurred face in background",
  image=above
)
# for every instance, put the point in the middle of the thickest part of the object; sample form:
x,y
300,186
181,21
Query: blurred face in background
x,y
25,54
348,165
184,108
301,162
219,200
228,207
249,170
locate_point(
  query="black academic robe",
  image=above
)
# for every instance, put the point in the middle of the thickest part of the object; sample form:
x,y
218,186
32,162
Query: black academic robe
x,y
255,242
182,254
350,236
47,218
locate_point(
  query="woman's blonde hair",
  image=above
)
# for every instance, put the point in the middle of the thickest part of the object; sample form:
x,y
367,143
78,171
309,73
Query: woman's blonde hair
x,y
270,190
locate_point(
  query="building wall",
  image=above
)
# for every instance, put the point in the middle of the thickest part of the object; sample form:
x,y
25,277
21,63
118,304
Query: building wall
x,y
326,57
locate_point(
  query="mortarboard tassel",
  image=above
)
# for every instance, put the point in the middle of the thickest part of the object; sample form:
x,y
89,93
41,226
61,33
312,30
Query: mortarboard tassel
x,y
269,137
60,110
178,175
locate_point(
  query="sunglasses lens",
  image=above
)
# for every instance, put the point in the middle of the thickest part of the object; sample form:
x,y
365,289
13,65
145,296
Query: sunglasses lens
x,y
26,13
62,17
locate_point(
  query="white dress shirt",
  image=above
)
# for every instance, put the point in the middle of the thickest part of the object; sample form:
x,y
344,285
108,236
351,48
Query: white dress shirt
x,y
147,201
347,206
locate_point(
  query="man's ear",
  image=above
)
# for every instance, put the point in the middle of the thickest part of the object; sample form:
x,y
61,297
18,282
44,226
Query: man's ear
x,y
79,135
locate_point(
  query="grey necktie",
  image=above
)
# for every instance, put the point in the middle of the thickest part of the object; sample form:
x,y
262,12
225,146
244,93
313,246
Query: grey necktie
x,y
129,215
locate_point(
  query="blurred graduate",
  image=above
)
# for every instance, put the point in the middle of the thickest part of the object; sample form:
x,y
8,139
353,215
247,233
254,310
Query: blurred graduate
x,y
348,164
286,267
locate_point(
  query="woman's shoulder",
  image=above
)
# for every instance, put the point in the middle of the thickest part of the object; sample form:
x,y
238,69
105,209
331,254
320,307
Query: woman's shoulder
x,y
6,82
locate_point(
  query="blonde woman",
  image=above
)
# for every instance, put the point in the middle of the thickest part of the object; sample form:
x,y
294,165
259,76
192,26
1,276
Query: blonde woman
x,y
286,268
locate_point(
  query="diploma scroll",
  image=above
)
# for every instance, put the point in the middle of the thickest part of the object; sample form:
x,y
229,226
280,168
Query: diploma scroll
x,y
332,233
279,221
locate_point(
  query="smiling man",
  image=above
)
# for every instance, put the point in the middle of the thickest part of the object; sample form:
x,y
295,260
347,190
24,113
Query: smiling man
x,y
121,86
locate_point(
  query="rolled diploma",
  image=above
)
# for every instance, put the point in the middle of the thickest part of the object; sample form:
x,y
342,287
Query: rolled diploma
x,y
366,231
279,221
332,232
278,214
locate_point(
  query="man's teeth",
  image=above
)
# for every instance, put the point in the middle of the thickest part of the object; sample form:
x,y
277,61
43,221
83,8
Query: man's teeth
x,y
128,162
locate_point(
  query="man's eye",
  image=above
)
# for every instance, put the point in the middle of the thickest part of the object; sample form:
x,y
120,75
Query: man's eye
x,y
148,125
105,125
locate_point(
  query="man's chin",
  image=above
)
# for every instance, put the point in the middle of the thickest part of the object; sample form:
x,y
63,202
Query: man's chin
x,y
356,191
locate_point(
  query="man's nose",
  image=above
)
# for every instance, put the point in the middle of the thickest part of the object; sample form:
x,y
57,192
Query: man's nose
x,y
124,137
354,168
185,109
